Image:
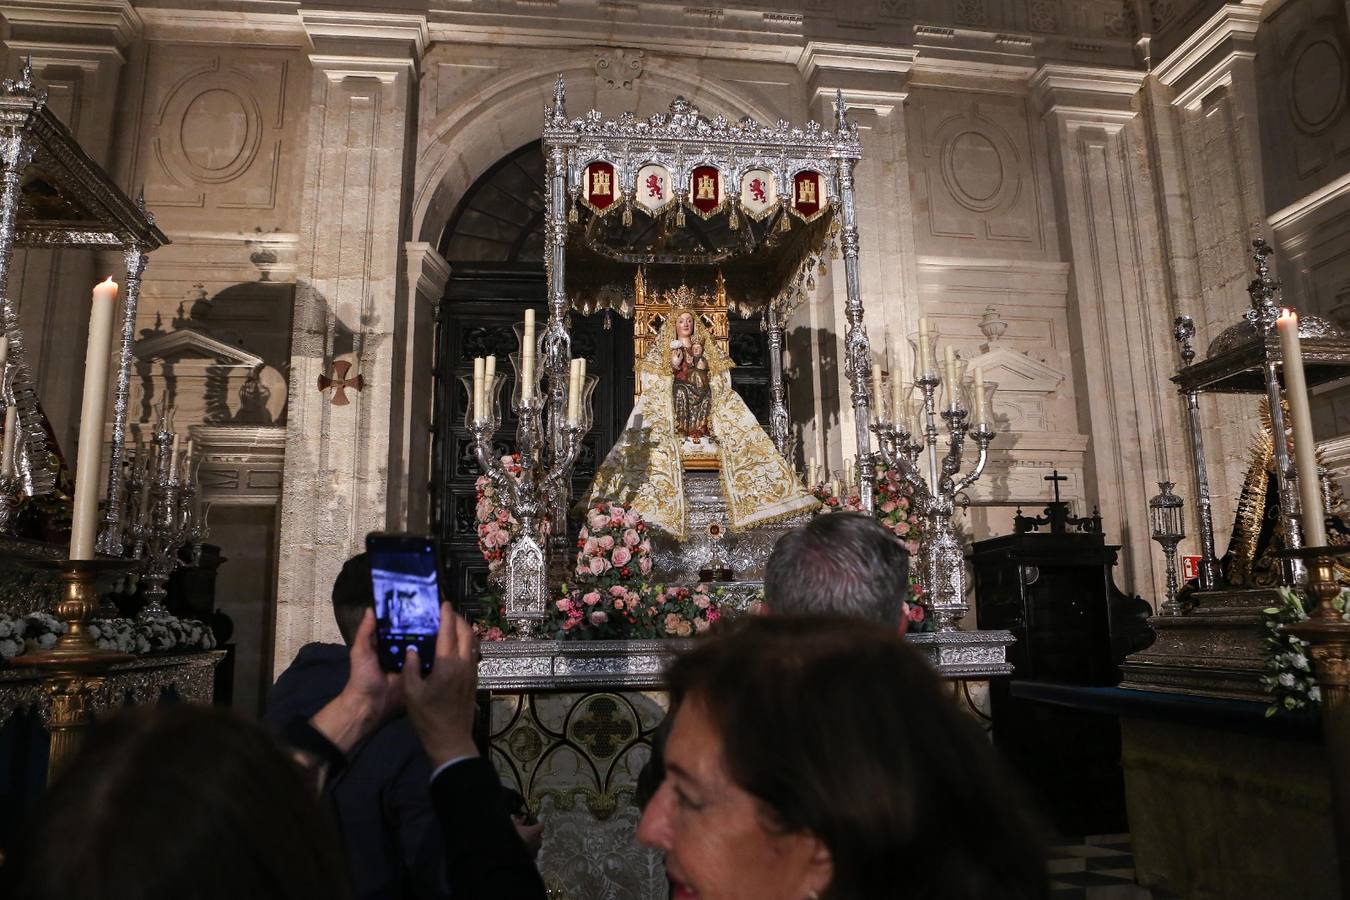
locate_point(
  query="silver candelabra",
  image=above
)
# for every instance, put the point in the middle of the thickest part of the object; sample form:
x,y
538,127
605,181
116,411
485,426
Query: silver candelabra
x,y
908,429
548,436
161,515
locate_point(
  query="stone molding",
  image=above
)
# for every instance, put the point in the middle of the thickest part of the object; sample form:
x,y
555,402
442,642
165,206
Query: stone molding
x,y
428,272
90,24
191,341
1100,95
361,39
1204,60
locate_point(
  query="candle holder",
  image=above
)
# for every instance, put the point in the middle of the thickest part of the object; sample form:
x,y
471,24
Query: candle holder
x,y
1326,629
9,502
162,517
1168,529
941,563
547,445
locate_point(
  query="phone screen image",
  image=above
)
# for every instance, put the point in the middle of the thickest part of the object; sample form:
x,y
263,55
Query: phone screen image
x,y
407,598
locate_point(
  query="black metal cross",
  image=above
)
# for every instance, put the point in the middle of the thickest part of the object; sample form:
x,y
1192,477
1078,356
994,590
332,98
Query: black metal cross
x,y
1055,479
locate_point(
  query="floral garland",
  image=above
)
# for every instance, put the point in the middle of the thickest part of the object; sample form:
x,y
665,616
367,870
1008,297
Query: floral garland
x,y
594,613
39,631
1290,681
893,500
496,526
612,547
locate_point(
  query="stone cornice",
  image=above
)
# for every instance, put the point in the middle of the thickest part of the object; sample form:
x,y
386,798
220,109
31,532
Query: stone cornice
x,y
428,272
1086,91
871,77
1205,59
88,23
349,35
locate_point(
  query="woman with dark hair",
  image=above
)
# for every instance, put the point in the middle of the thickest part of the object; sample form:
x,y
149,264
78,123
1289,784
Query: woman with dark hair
x,y
821,758
181,802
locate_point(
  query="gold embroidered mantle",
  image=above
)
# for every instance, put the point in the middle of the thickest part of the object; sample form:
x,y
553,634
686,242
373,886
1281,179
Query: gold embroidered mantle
x,y
645,470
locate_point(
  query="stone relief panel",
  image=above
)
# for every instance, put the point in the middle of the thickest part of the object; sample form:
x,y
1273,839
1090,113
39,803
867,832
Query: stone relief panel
x,y
217,133
974,177
1303,64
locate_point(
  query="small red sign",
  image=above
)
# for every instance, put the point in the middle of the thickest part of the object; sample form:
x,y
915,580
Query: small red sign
x,y
807,194
705,189
601,190
1190,568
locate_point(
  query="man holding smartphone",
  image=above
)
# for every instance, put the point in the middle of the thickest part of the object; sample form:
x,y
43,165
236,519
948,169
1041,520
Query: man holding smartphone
x,y
394,843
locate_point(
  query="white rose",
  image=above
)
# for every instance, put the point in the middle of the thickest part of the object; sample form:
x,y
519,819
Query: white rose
x,y
1286,679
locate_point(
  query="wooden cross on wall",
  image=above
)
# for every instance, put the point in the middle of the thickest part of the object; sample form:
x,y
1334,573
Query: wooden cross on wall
x,y
340,382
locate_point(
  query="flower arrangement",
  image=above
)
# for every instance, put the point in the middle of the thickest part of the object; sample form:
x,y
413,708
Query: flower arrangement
x,y
1290,683
595,613
38,631
893,499
496,526
612,547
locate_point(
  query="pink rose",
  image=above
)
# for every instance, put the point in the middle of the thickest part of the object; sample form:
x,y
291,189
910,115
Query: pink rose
x,y
630,519
564,604
591,546
599,617
597,521
570,624
702,625
619,603
702,601
598,565
645,565
591,598
645,547
503,516
912,547
888,506
583,534
616,516
621,556
501,538
583,571
494,634
914,613
672,623
632,598
617,590
606,543
631,538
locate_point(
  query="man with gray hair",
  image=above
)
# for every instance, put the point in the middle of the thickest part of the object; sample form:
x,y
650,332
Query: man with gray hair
x,y
841,563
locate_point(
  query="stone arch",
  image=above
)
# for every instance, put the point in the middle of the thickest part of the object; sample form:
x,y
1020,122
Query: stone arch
x,y
498,119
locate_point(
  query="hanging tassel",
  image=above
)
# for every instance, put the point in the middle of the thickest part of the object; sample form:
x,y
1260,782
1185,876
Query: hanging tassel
x,y
679,216
783,224
627,215
572,216
608,323
734,220
834,249
810,282
822,270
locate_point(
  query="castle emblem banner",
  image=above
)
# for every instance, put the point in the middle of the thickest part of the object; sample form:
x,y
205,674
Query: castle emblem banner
x,y
705,190
808,195
599,187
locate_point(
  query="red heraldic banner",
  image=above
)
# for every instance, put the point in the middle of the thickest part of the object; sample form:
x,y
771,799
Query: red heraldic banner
x,y
808,195
705,189
600,189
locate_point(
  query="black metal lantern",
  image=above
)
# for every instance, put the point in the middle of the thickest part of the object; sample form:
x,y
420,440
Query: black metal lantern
x,y
1168,528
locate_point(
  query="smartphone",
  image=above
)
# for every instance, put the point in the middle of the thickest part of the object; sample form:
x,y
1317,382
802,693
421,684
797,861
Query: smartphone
x,y
405,576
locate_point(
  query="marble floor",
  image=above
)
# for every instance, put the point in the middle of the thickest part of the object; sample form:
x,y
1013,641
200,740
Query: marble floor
x,y
1100,867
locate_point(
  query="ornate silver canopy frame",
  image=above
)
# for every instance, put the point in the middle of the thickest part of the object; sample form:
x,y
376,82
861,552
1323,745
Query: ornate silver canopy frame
x,y
768,244
1246,358
53,195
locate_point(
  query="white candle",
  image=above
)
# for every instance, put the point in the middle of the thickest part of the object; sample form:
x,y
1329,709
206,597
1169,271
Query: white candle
x,y
489,382
478,367
811,471
897,400
951,374
4,353
574,391
878,398
187,460
527,358
979,396
7,454
173,459
1305,445
89,457
923,348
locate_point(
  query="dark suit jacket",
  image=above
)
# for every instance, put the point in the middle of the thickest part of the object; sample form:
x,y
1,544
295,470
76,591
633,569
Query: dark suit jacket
x,y
381,798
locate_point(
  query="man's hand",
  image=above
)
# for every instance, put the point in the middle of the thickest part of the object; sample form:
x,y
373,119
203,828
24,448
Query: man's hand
x,y
532,833
442,704
370,696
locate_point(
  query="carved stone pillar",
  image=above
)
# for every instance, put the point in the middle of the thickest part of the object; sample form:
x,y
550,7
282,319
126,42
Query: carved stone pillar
x,y
1120,311
348,307
1202,114
78,54
410,434
874,84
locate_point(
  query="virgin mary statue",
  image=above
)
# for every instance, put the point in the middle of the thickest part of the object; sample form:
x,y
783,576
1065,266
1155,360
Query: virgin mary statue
x,y
688,416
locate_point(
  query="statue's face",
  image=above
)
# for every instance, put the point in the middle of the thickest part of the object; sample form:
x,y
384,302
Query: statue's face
x,y
684,325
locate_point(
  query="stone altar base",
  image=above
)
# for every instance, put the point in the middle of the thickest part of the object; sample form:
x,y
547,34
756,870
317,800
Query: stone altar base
x,y
709,541
1214,650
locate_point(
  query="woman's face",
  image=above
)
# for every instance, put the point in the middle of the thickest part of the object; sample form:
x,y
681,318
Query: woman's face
x,y
717,842
684,325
